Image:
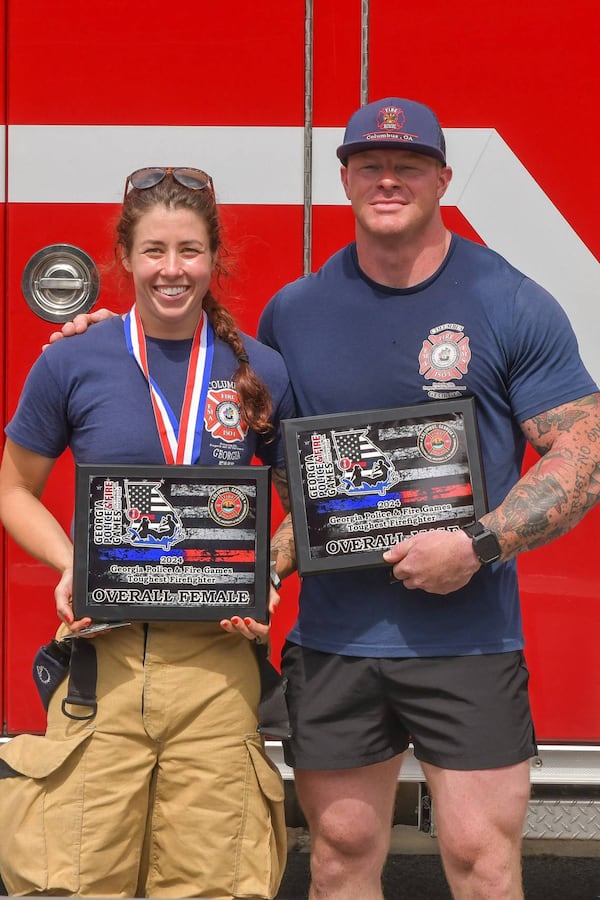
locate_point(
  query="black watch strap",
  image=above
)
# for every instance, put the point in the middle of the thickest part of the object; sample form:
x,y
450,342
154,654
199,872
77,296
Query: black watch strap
x,y
485,543
275,579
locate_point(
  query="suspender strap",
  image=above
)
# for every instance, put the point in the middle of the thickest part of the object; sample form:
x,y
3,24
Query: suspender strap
x,y
82,679
273,719
50,668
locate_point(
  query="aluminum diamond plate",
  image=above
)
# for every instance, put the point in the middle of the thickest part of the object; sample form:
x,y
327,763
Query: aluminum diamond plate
x,y
563,819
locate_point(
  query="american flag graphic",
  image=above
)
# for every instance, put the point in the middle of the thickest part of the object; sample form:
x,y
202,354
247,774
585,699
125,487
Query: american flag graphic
x,y
146,499
355,446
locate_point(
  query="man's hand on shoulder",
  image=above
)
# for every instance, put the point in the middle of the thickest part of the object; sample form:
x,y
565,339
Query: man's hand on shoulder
x,y
79,325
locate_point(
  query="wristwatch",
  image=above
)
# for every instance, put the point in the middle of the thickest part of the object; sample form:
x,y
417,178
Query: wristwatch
x,y
485,543
275,579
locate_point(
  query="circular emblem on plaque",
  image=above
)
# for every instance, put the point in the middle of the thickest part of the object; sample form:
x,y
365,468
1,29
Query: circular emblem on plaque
x,y
437,442
228,505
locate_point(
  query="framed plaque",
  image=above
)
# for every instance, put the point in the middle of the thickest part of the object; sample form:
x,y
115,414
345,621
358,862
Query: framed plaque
x,y
171,542
360,482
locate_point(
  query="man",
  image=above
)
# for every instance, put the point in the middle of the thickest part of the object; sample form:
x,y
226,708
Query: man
x,y
408,313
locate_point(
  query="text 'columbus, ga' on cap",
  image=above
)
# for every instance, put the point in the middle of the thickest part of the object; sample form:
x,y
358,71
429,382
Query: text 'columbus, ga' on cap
x,y
394,123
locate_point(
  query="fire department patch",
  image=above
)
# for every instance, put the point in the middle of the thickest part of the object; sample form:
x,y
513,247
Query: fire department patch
x,y
223,417
445,354
390,124
390,118
437,442
228,506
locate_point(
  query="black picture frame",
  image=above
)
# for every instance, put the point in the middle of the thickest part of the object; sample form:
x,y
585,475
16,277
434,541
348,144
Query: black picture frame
x,y
176,543
361,481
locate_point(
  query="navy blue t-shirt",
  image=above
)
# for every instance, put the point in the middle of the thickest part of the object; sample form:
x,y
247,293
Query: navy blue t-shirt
x,y
90,395
476,328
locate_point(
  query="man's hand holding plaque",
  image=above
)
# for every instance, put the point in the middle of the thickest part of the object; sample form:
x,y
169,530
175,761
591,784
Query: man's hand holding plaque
x,y
361,483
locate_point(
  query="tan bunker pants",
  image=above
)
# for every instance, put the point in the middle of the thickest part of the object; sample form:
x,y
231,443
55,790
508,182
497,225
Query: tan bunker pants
x,y
167,792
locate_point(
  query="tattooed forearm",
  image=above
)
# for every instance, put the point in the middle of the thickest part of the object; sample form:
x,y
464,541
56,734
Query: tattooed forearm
x,y
531,508
283,552
561,487
280,482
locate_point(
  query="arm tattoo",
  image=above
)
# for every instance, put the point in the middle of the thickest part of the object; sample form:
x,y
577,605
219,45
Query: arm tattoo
x,y
562,486
283,551
541,426
280,482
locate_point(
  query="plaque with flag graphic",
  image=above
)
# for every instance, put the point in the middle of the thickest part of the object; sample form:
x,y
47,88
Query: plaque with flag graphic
x,y
171,542
360,482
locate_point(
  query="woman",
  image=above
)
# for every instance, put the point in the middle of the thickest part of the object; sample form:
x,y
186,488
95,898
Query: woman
x,y
167,791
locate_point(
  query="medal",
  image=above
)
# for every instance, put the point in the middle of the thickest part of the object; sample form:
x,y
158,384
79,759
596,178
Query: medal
x,y
181,441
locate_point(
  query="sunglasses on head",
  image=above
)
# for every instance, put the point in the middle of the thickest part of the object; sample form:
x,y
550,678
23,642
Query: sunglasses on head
x,y
194,179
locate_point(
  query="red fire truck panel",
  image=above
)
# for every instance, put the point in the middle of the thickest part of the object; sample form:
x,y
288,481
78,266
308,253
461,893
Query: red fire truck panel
x,y
258,98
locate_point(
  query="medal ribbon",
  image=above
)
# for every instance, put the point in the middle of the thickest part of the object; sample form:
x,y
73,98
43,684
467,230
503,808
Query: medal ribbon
x,y
181,442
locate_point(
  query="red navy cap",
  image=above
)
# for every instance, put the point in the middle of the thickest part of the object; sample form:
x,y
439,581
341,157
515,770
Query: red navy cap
x,y
396,124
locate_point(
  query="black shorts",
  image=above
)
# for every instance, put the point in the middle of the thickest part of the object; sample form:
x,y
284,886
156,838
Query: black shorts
x,y
460,712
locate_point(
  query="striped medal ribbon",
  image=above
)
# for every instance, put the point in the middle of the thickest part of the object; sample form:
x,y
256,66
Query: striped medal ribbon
x,y
181,441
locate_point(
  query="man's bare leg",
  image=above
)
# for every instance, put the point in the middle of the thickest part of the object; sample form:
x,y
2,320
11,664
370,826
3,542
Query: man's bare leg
x,y
479,818
349,814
